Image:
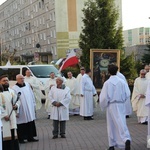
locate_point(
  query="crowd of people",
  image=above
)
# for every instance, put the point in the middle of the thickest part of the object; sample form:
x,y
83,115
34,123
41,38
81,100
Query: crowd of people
x,y
73,96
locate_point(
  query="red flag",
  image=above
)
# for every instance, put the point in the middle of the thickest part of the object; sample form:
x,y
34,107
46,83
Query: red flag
x,y
70,61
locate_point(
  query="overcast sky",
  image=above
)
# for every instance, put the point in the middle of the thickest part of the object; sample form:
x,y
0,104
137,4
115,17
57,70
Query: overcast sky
x,y
135,13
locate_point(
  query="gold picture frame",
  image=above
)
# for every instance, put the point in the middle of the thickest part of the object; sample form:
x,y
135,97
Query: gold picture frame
x,y
99,61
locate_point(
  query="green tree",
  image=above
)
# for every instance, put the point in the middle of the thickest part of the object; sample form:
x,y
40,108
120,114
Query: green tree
x,y
146,56
100,29
128,67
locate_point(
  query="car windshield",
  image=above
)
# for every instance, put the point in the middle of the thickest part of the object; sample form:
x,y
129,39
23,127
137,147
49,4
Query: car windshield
x,y
43,71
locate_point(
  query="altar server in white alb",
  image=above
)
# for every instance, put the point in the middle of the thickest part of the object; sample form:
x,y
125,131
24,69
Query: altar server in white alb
x,y
48,85
87,92
60,98
112,98
35,84
147,104
26,114
8,116
71,82
128,101
138,97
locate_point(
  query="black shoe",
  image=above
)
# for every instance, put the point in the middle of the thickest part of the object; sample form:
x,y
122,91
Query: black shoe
x,y
90,118
145,123
32,140
63,136
48,117
127,145
85,118
55,137
127,116
22,141
111,148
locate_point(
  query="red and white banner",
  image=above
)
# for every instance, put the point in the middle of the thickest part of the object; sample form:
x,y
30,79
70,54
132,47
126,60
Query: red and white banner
x,y
70,60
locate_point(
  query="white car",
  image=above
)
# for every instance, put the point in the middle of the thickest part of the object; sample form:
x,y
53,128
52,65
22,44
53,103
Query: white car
x,y
41,72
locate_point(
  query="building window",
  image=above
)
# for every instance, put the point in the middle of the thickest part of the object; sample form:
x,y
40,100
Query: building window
x,y
40,21
47,25
49,41
41,36
43,4
51,33
43,20
54,34
50,16
44,36
55,51
53,16
39,4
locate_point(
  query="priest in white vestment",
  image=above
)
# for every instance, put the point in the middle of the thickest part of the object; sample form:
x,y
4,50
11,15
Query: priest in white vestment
x,y
60,98
113,95
26,114
147,68
128,101
74,105
35,84
8,104
48,85
79,78
87,92
138,97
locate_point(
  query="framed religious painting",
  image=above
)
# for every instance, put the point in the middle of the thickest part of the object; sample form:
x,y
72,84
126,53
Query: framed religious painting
x,y
99,61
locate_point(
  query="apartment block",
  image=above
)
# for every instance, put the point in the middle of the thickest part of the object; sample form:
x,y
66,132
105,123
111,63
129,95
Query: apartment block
x,y
137,36
48,28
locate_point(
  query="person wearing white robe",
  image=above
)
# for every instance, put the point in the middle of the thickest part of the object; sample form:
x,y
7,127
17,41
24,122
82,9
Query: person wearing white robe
x,y
112,97
87,92
48,85
26,113
8,116
128,101
147,104
71,82
138,97
147,68
35,84
79,78
147,72
0,130
60,98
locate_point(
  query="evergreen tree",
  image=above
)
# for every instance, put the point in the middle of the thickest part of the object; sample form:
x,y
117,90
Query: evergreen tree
x,y
146,57
128,67
100,29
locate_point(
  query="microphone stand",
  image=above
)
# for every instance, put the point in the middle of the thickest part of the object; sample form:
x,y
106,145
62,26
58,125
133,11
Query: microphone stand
x,y
19,93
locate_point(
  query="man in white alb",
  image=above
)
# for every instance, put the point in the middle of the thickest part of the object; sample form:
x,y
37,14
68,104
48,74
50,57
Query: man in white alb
x,y
138,97
48,85
113,95
88,91
128,101
8,103
60,97
35,87
74,105
26,114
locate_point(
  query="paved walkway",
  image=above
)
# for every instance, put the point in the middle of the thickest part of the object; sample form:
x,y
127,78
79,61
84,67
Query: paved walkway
x,y
82,134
